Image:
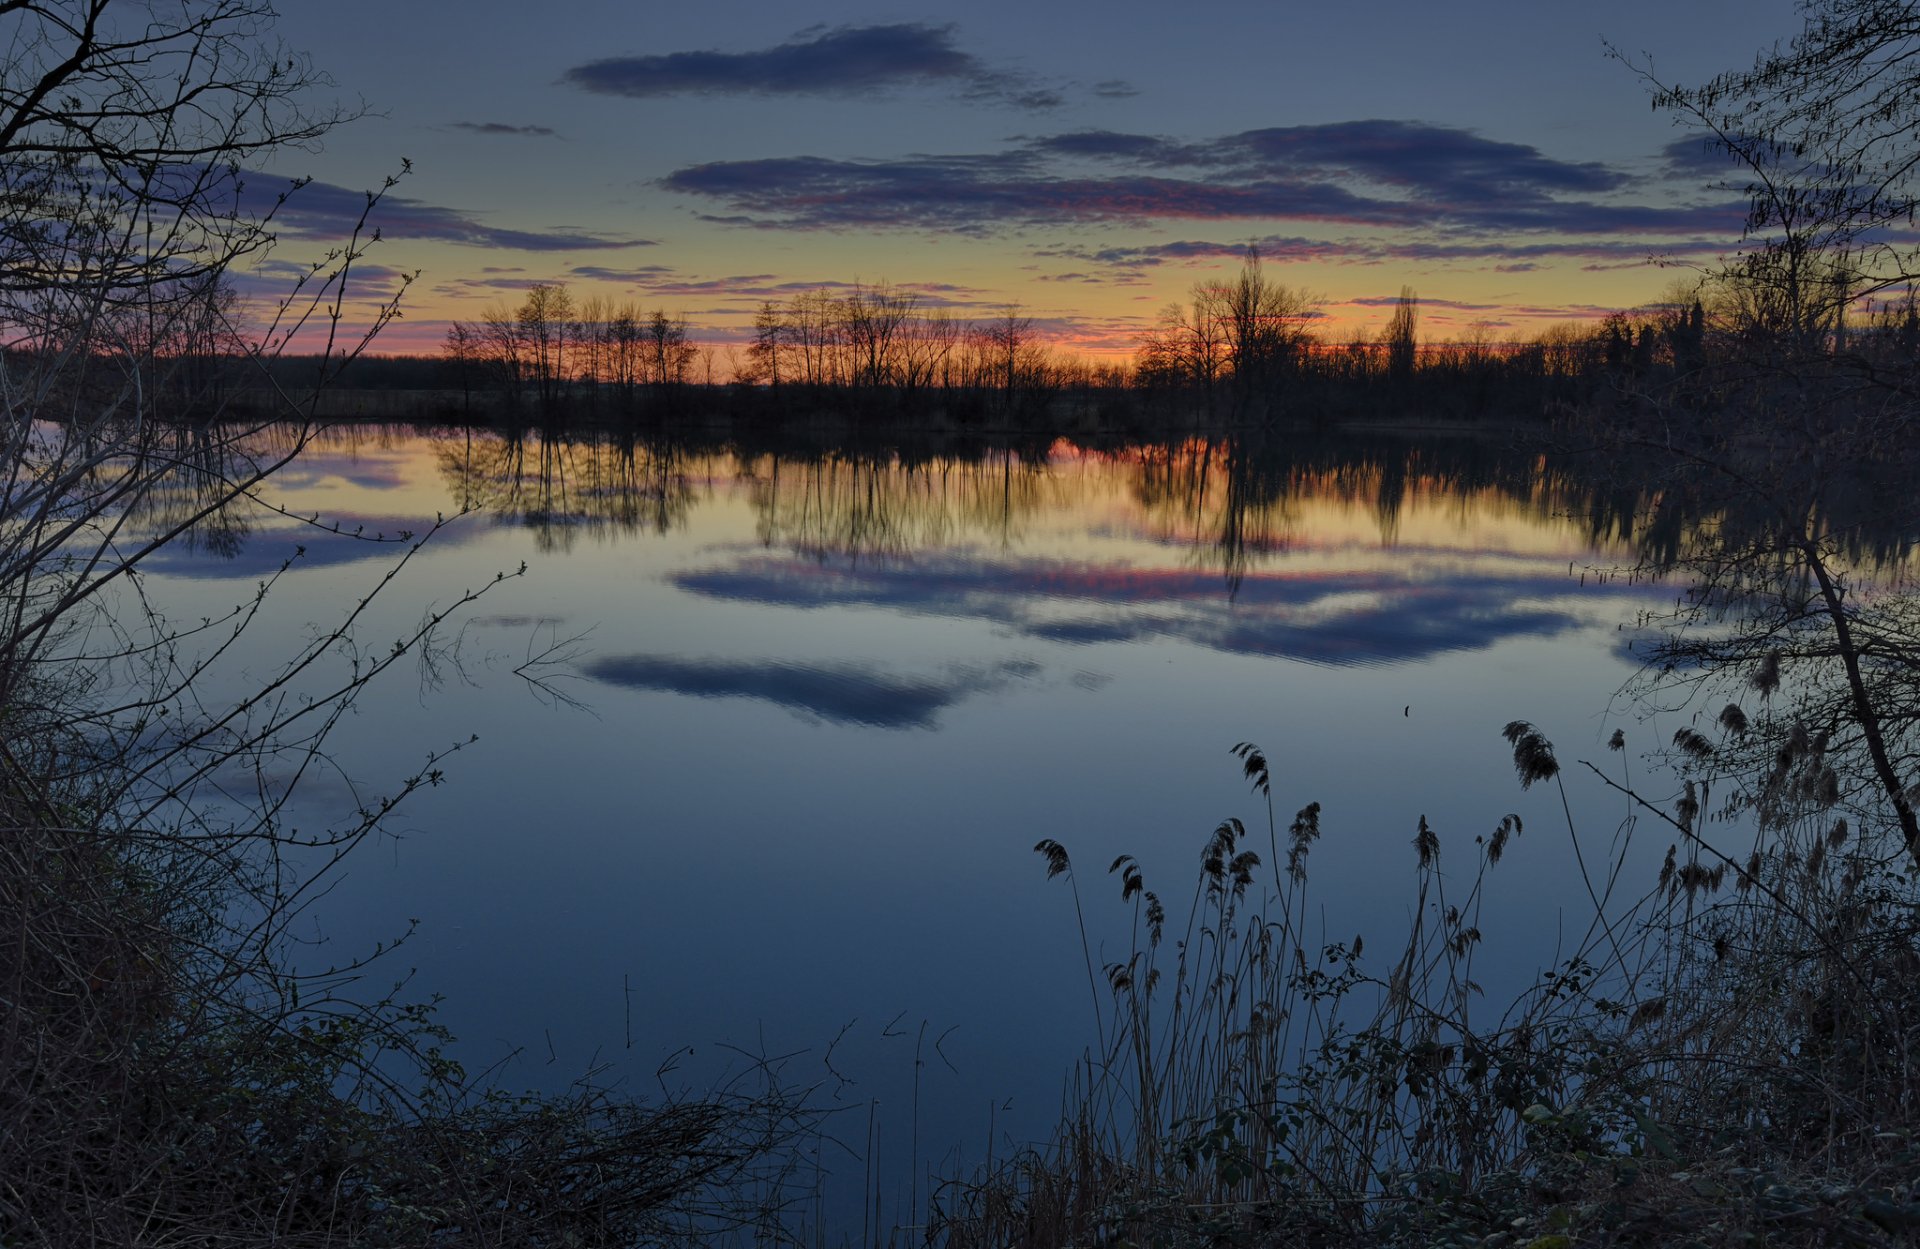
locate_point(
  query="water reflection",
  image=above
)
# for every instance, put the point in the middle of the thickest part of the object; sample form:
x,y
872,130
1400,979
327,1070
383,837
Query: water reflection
x,y
1231,503
842,693
1336,551
560,487
1336,616
869,677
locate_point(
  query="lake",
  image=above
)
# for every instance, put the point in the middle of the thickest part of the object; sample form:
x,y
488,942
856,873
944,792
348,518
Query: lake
x,y
797,716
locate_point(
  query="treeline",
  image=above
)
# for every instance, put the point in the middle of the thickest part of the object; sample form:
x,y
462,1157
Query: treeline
x,y
1247,349
876,346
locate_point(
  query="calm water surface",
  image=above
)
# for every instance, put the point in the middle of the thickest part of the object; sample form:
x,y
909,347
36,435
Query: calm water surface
x,y
810,712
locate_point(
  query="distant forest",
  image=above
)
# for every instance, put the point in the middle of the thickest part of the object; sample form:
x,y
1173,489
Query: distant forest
x,y
1245,350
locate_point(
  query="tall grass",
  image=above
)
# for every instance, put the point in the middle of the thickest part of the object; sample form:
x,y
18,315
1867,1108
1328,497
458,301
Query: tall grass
x,y
1728,1051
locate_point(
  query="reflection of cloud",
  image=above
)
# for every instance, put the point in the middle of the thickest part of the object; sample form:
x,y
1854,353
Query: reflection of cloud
x,y
517,622
263,552
841,693
844,60
357,468
1334,617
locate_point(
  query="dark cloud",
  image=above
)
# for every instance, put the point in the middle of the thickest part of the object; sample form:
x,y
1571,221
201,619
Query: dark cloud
x,y
836,61
1115,89
839,693
1376,174
323,211
1436,161
1144,149
1425,161
284,270
1389,301
274,280
607,273
661,281
979,194
1698,158
1624,253
462,287
1346,617
502,128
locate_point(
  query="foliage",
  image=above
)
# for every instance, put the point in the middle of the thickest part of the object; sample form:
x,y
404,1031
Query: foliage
x,y
1726,1056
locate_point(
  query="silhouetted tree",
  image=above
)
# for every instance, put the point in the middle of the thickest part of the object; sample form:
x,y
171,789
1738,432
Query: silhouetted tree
x,y
1400,337
1264,329
769,334
543,317
1005,339
462,353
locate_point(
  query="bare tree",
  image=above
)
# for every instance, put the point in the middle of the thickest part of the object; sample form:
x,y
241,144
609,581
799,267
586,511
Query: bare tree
x,y
1263,324
461,349
1401,337
544,317
503,348
1821,131
770,331
1005,339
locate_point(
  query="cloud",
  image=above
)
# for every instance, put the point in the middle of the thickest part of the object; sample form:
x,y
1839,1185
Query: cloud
x,y
274,280
819,61
981,194
1111,145
1699,158
664,282
502,128
1373,616
324,211
1391,301
1437,161
839,693
1376,174
1282,249
1432,161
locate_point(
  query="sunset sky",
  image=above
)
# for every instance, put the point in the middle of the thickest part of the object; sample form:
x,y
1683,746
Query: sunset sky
x,y
1086,162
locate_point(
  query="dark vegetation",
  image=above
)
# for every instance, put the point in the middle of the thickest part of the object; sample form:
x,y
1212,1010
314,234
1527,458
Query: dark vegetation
x,y
1241,354
1729,1057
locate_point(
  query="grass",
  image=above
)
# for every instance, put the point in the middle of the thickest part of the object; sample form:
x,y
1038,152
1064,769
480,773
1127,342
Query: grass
x,y
1729,1056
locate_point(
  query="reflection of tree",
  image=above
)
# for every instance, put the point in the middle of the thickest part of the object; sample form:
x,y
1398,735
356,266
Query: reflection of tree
x,y
561,484
1234,502
895,504
190,470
